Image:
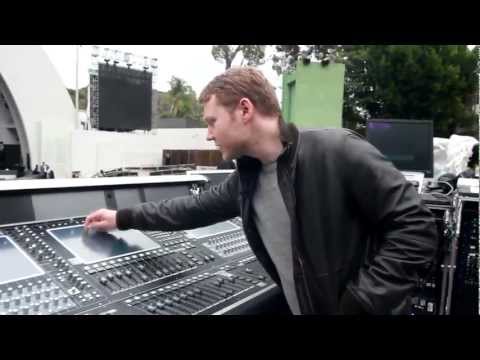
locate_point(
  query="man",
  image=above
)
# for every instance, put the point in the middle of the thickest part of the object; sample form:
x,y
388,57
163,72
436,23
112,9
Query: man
x,y
331,220
226,165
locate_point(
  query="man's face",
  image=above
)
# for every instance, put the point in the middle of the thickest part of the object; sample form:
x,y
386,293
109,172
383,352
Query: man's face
x,y
225,128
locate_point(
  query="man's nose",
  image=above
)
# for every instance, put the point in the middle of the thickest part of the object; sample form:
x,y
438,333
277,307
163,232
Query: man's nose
x,y
210,136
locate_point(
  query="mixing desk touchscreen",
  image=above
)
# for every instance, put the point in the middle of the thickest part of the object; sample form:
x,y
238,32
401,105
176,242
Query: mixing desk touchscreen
x,y
91,246
16,264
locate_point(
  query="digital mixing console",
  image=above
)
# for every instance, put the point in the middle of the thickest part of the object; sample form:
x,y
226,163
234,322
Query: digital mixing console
x,y
55,266
49,263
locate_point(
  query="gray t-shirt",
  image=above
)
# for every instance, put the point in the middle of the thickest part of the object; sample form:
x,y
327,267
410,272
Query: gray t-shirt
x,y
273,223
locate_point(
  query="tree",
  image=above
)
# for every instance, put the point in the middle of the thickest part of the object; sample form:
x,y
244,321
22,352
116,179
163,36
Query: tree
x,y
400,81
181,101
253,54
286,56
413,82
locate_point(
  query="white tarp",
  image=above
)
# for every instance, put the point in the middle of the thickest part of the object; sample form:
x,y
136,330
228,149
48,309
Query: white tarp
x,y
452,155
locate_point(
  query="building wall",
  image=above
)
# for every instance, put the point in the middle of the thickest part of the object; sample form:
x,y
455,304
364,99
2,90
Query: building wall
x,y
93,151
39,105
313,95
176,123
8,134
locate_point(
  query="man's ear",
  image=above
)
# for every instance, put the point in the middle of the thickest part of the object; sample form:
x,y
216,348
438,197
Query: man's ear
x,y
246,108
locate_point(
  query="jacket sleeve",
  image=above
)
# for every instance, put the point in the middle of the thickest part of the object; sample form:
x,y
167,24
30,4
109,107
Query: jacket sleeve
x,y
405,232
219,203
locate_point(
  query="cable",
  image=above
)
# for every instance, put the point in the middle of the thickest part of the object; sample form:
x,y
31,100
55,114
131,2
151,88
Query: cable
x,y
450,185
439,195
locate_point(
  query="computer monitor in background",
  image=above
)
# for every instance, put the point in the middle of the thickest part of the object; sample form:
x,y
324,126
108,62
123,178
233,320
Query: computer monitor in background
x,y
408,144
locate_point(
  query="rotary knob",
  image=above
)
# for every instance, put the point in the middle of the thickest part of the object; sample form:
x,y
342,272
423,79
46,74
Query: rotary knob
x,y
33,249
160,305
197,291
20,289
167,301
70,275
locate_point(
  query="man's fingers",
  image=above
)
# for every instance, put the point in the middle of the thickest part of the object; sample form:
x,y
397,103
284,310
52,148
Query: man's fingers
x,y
89,220
93,217
99,225
93,225
99,220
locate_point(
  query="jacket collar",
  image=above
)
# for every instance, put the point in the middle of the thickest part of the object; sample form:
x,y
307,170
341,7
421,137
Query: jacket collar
x,y
289,136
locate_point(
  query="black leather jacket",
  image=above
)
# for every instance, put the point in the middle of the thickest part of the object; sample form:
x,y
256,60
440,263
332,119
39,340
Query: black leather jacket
x,y
360,234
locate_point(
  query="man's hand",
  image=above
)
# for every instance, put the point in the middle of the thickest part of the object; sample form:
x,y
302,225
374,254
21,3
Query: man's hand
x,y
102,220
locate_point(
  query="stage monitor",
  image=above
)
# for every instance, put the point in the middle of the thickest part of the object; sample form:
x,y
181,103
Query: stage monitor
x,y
124,98
408,144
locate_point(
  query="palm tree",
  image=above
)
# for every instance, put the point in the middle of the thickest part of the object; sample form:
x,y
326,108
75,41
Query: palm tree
x,y
182,99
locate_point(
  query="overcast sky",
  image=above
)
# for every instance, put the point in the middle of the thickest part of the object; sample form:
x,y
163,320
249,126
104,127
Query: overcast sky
x,y
192,63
